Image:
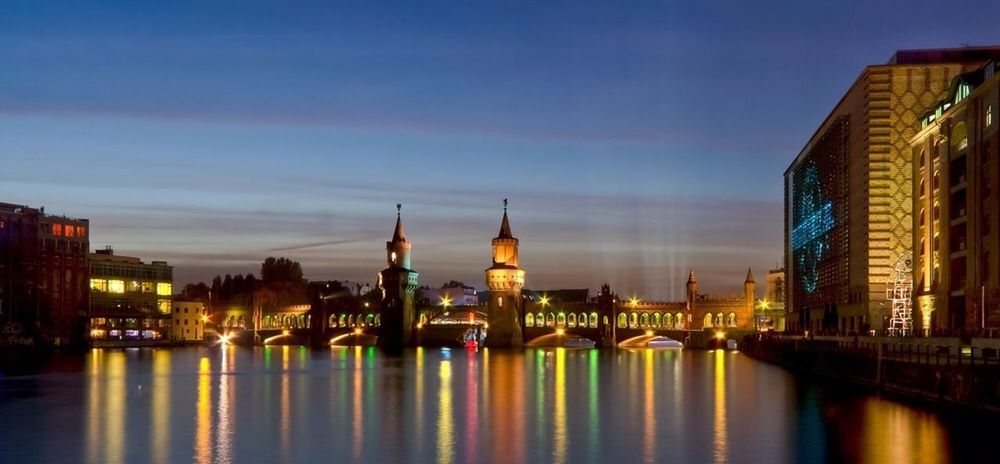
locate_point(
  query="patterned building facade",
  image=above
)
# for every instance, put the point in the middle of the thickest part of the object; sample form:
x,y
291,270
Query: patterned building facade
x,y
956,225
848,193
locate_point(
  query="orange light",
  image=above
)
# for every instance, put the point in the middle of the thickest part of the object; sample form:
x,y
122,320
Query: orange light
x,y
649,333
560,332
420,325
284,332
357,331
720,335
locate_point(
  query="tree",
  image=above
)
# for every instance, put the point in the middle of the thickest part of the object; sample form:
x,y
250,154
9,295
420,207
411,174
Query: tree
x,y
280,270
453,284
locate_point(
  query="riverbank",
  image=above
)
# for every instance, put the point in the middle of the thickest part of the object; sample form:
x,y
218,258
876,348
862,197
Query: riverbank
x,y
926,372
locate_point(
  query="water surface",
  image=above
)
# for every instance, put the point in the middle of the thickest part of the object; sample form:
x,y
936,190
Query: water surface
x,y
291,404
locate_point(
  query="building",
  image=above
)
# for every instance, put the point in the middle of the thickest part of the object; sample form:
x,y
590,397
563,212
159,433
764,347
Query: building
x,y
188,321
43,277
130,301
848,193
770,311
398,282
505,279
956,225
450,296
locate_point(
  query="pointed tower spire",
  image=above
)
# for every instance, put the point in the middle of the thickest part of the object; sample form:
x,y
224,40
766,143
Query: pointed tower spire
x,y
749,276
398,235
505,225
691,278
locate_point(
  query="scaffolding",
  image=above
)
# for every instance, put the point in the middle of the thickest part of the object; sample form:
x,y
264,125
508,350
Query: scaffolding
x,y
900,292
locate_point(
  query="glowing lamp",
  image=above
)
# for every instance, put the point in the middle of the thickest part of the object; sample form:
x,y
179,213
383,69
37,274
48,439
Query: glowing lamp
x,y
284,332
649,333
560,332
357,331
720,335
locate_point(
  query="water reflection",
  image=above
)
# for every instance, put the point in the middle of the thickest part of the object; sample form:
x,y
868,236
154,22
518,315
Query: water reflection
x,y
238,405
160,407
720,434
445,426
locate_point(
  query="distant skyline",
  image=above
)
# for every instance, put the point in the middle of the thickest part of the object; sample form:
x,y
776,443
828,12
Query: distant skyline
x,y
634,141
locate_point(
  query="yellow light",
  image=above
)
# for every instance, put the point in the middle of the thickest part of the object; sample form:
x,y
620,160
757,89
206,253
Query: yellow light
x,y
420,325
284,332
649,333
560,332
720,335
224,339
357,331
445,301
545,301
634,302
204,318
366,304
764,304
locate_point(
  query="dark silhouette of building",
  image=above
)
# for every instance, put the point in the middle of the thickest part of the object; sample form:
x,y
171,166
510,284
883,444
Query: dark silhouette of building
x,y
398,282
43,276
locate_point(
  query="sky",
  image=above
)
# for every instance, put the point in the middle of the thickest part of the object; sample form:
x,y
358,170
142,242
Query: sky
x,y
635,140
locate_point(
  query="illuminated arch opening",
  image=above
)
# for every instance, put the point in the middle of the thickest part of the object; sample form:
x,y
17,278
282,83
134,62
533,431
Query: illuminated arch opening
x,y
529,320
679,321
708,320
622,321
655,320
593,320
731,320
550,320
561,320
633,320
571,320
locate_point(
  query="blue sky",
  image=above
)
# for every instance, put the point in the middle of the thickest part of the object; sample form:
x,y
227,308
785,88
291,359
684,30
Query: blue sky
x,y
635,140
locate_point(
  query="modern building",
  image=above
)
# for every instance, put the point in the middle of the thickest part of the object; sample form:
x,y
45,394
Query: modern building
x,y
43,277
848,193
450,296
130,301
188,322
956,221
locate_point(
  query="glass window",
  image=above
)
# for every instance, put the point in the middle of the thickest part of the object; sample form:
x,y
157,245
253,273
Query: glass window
x,y
57,229
989,115
164,288
163,306
100,285
116,286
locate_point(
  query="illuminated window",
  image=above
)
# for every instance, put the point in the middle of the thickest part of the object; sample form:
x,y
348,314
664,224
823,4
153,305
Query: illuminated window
x,y
81,231
100,285
622,320
133,286
561,320
70,231
529,320
163,288
163,306
708,320
571,320
147,287
57,229
116,286
989,115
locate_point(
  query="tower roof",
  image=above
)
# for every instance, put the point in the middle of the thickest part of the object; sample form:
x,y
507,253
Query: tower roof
x,y
398,235
505,224
749,276
691,278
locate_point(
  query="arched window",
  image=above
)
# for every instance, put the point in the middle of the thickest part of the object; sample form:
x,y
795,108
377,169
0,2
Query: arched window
x,y
550,320
370,320
378,320
731,320
342,320
350,320
644,320
529,320
720,320
708,320
571,320
593,320
500,302
561,320
539,320
633,320
655,320
923,158
679,321
668,321
332,322
622,320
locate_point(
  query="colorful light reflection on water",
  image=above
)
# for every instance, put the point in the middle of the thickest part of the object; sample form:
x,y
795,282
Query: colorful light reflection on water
x,y
289,404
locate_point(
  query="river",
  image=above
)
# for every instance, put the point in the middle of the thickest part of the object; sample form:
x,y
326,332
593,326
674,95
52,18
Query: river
x,y
292,404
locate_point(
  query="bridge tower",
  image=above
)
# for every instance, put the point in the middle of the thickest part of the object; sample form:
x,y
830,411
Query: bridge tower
x,y
505,278
750,292
398,283
608,316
